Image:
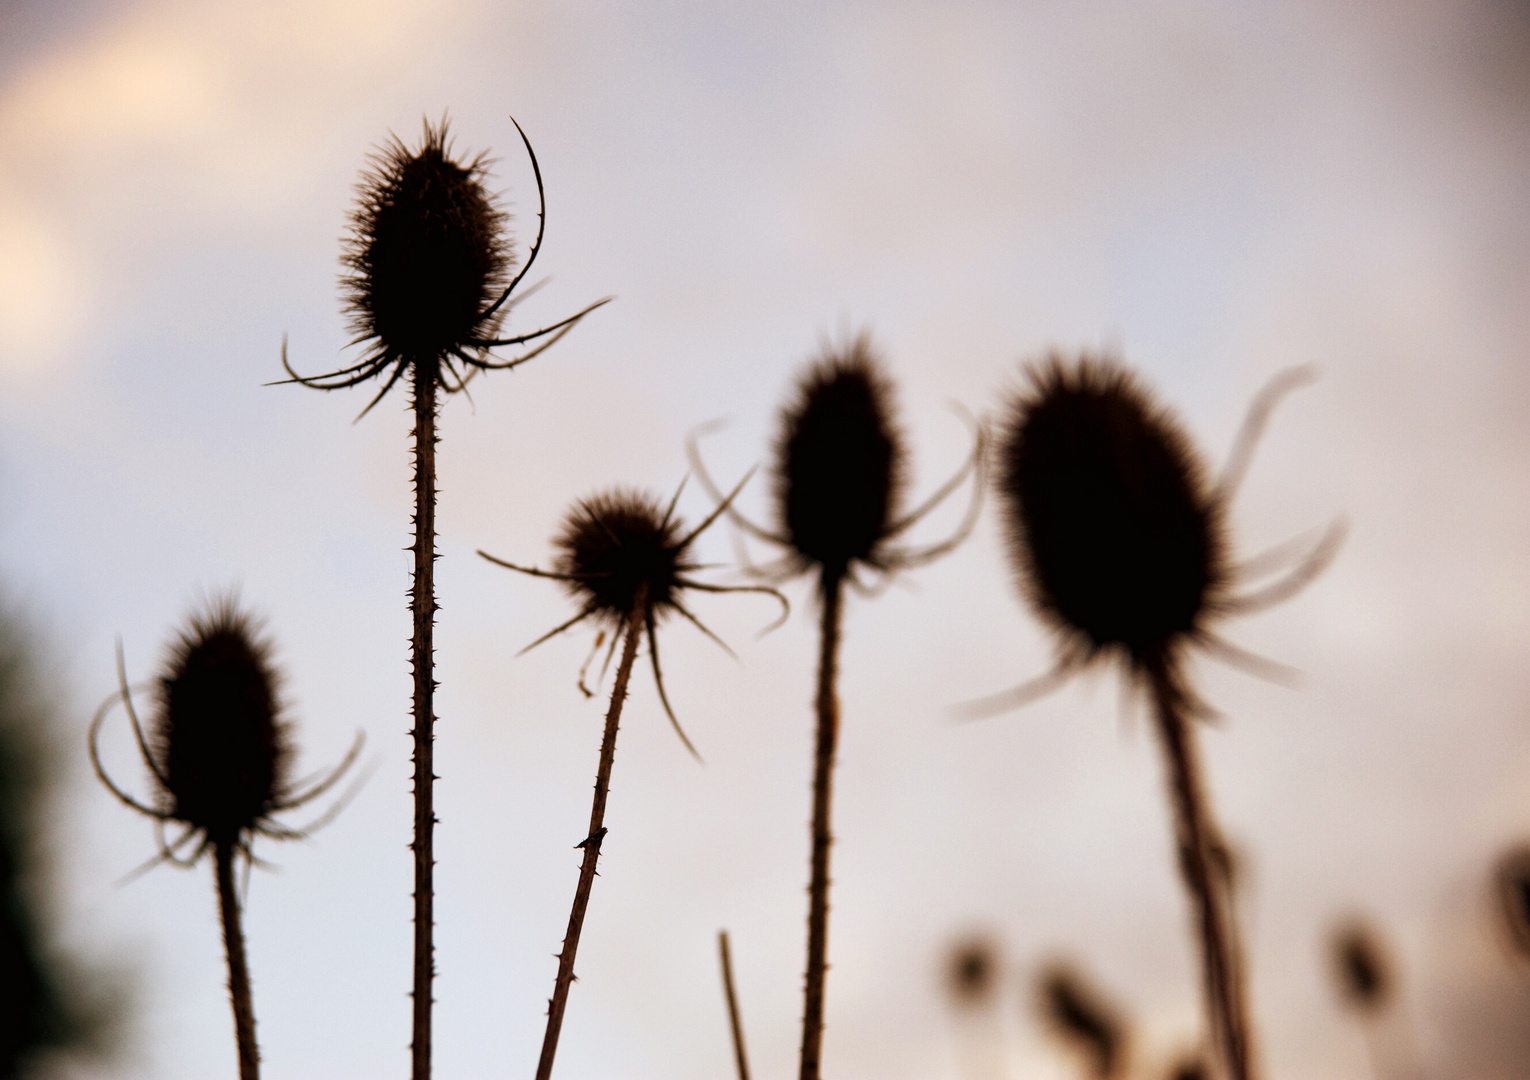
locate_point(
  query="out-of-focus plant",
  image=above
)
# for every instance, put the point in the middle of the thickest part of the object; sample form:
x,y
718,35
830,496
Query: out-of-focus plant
x,y
1119,540
427,295
1081,1017
218,750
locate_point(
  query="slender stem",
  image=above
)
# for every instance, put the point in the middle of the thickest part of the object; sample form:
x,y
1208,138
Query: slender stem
x,y
422,605
1195,832
831,589
238,971
591,843
734,1023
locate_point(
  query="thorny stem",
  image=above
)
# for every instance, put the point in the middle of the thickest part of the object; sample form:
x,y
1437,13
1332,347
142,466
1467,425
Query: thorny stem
x,y
238,970
734,1023
591,843
1195,832
422,605
831,588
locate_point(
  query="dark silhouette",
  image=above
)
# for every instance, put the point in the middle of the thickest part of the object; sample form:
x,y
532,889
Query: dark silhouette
x,y
427,256
1081,1017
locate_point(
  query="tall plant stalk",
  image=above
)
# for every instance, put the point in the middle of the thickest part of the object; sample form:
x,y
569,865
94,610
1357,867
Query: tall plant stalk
x,y
636,622
1195,833
238,970
826,742
422,606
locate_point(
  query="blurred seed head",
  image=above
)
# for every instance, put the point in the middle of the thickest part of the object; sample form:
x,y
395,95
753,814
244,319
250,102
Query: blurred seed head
x,y
615,543
1511,886
1083,1018
1362,967
218,736
427,253
1113,527
840,460
972,972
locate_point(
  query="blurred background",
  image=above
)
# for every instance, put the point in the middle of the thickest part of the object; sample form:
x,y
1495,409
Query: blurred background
x,y
1213,190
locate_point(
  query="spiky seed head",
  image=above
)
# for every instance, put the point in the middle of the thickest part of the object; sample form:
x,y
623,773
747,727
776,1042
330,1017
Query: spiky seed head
x,y
615,543
1114,529
840,460
972,971
1361,967
218,735
1080,1016
427,252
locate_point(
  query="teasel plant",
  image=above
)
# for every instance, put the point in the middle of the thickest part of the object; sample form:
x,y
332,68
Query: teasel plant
x,y
839,480
219,751
1119,540
626,561
1081,1017
427,291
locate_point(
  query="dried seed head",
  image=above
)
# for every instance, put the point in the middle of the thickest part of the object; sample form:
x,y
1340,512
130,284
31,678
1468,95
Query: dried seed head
x,y
1080,1016
1361,968
1114,530
219,740
616,543
427,253
840,460
972,971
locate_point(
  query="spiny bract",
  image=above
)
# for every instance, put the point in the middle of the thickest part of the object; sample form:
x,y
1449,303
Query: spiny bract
x,y
1114,530
220,744
840,461
427,253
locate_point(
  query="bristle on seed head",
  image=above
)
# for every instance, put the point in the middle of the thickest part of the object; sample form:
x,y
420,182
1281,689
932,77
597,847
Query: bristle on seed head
x,y
218,736
427,253
840,460
1114,529
616,543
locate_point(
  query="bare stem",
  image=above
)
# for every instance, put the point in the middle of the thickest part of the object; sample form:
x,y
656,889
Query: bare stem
x,y
1195,832
238,971
422,605
831,587
734,1024
591,843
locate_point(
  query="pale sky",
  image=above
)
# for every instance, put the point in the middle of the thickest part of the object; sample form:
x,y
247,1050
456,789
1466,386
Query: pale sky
x,y
1215,190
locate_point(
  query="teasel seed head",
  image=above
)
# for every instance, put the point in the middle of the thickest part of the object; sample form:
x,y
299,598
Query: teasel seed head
x,y
427,251
1114,528
1361,967
840,461
614,544
217,733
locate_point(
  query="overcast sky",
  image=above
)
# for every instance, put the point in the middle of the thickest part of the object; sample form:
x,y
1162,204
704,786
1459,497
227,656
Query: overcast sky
x,y
1215,191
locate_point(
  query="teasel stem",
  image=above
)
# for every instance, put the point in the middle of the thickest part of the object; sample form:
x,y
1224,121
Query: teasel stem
x,y
591,843
735,1025
238,970
422,605
1195,833
831,590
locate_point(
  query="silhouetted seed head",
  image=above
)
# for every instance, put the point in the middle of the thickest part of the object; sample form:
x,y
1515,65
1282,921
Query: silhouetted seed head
x,y
427,253
613,544
1080,1016
972,972
1113,526
1511,883
840,461
1361,968
217,734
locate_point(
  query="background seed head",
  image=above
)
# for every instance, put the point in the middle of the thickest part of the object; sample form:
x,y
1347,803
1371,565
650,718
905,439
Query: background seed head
x,y
1114,530
840,460
427,252
616,542
218,736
